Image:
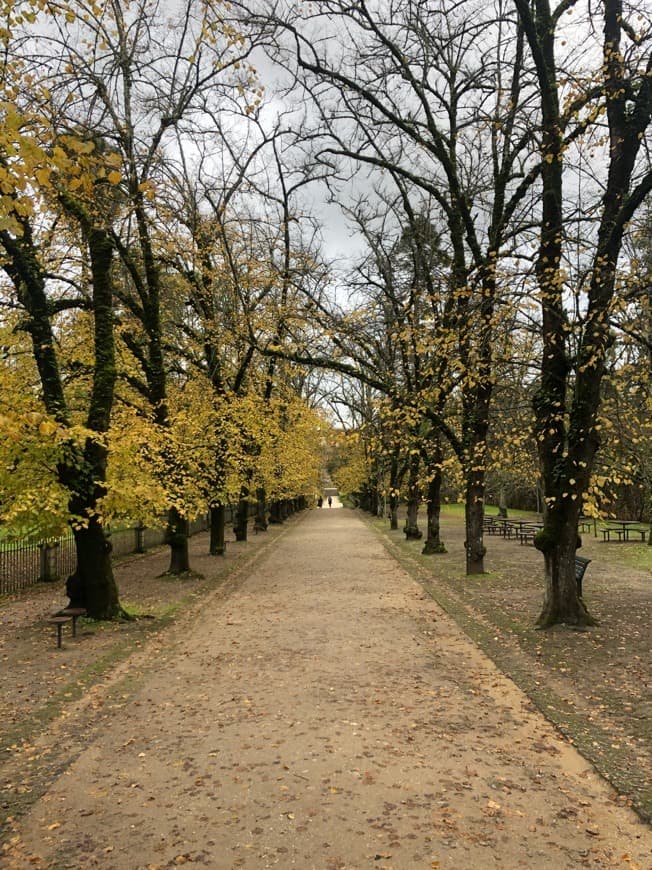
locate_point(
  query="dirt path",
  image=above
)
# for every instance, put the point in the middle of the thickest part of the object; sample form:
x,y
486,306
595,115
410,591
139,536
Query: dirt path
x,y
326,714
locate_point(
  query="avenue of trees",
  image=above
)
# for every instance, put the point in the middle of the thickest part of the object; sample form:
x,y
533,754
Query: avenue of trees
x,y
170,319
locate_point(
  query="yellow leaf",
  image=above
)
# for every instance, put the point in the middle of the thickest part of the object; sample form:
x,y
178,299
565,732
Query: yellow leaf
x,y
47,427
115,177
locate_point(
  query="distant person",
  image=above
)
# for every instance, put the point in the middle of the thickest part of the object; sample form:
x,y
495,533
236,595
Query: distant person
x,y
330,501
320,501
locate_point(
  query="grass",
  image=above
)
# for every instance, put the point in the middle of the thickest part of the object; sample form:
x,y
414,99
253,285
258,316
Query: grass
x,y
639,558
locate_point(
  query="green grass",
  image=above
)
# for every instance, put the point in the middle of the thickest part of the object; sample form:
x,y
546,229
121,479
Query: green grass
x,y
457,510
639,557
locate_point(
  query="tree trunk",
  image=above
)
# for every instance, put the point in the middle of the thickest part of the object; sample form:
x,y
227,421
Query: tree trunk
x,y
434,543
260,521
558,542
395,478
217,545
393,512
373,500
473,515
275,517
92,581
176,536
92,585
502,502
241,523
411,528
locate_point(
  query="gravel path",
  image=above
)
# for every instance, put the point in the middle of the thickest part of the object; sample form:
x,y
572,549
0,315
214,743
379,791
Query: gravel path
x,y
325,714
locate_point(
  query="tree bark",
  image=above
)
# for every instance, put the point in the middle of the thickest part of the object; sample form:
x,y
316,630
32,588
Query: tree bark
x,y
92,584
395,479
473,517
241,523
260,521
176,536
502,502
217,545
393,512
275,517
558,541
434,543
411,528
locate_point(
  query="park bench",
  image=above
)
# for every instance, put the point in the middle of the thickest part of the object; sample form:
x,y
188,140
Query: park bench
x,y
608,532
581,564
68,615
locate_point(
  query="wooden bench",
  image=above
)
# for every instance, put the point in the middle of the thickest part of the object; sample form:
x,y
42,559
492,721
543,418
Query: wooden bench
x,y
641,532
65,616
608,532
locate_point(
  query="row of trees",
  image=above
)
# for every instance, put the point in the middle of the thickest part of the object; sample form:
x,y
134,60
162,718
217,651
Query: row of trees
x,y
147,247
160,248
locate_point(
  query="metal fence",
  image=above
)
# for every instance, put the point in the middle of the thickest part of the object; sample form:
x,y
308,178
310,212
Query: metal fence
x,y
23,564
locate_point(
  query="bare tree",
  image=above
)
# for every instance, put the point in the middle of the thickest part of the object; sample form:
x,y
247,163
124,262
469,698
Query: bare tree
x,y
437,95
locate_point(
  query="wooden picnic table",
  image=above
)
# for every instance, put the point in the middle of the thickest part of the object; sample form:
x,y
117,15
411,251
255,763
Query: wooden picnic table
x,y
516,527
622,529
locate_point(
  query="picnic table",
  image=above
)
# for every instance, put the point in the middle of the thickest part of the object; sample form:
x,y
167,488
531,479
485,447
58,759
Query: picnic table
x,y
622,529
585,524
507,527
523,529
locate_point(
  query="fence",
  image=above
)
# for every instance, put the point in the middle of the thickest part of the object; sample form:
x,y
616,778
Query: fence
x,y
23,564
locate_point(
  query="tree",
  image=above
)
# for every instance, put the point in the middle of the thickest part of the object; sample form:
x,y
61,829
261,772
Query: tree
x,y
241,264
569,393
68,182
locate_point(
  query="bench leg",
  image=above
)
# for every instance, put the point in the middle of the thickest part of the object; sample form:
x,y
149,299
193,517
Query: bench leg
x,y
59,633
